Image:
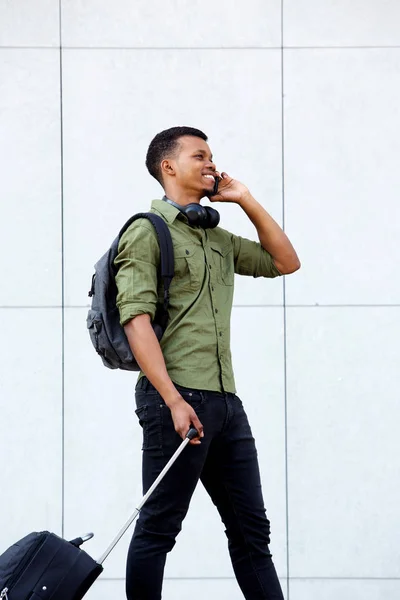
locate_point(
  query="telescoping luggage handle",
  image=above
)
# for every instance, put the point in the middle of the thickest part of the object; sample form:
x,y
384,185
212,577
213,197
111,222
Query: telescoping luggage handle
x,y
191,434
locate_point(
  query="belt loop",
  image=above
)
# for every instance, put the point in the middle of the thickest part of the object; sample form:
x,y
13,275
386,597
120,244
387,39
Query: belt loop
x,y
145,383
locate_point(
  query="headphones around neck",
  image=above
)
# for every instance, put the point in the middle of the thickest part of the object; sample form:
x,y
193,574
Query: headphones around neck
x,y
197,215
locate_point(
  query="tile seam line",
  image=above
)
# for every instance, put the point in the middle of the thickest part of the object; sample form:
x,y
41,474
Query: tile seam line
x,y
86,306
216,578
62,281
157,48
285,395
317,578
321,578
139,48
344,47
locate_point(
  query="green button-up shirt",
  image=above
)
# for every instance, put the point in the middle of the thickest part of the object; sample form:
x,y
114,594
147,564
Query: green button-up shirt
x,y
196,343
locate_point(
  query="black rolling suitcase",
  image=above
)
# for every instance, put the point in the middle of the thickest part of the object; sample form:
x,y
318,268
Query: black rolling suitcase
x,y
43,566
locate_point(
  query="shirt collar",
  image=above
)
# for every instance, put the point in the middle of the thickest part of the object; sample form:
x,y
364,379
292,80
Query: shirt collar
x,y
169,212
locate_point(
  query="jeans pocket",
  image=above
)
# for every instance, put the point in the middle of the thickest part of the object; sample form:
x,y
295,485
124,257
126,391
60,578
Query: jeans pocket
x,y
141,414
192,397
149,416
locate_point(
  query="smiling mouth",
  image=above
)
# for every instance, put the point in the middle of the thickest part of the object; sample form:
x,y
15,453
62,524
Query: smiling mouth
x,y
209,178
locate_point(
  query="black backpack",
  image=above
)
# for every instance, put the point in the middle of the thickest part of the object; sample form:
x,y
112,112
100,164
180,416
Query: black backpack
x,y
107,335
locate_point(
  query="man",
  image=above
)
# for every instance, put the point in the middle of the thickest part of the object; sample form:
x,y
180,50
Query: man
x,y
187,378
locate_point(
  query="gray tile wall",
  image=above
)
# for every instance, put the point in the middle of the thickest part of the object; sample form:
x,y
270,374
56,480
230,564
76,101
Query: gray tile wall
x,y
301,101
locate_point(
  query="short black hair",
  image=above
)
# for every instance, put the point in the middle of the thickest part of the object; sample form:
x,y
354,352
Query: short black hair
x,y
164,144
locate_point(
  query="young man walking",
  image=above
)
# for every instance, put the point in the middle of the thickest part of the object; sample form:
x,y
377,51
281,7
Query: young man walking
x,y
187,378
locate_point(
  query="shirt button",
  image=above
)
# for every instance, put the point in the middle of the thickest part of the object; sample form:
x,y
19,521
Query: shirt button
x,y
187,251
212,288
220,334
216,310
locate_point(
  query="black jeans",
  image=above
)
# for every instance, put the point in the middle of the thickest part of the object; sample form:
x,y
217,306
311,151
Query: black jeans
x,y
226,463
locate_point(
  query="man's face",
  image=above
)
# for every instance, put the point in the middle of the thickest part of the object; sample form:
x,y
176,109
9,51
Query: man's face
x,y
193,166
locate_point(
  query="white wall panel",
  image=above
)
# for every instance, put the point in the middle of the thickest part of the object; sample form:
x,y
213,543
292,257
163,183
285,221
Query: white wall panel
x,y
154,23
343,415
174,589
258,361
103,464
103,440
30,183
31,417
102,445
342,177
257,346
331,589
114,104
27,23
341,23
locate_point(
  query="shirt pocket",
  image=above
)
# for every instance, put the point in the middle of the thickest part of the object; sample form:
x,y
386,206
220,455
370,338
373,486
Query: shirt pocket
x,y
189,267
222,258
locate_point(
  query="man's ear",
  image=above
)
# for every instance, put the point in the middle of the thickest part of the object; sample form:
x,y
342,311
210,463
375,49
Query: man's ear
x,y
167,168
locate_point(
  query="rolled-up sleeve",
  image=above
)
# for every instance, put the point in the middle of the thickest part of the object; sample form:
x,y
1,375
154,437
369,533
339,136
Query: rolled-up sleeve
x,y
250,258
137,263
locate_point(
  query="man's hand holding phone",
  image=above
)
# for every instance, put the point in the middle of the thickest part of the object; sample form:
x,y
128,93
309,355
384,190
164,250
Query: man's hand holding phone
x,y
227,189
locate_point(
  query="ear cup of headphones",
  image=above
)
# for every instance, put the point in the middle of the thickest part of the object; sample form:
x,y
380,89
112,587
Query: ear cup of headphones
x,y
212,217
196,215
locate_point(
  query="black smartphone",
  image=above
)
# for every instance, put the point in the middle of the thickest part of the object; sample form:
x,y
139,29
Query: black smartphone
x,y
216,184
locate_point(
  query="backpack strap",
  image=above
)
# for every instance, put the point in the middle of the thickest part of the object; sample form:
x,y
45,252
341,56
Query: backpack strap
x,y
166,248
